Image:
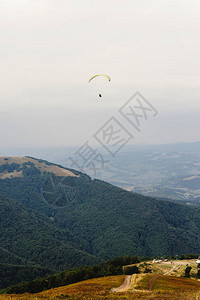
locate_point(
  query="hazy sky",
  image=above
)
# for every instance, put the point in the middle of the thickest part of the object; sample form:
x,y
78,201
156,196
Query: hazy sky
x,y
50,48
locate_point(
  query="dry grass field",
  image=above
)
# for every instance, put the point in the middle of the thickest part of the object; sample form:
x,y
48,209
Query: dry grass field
x,y
160,284
175,267
42,166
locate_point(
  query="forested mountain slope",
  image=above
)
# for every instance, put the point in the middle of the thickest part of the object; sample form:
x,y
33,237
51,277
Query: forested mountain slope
x,y
27,237
70,219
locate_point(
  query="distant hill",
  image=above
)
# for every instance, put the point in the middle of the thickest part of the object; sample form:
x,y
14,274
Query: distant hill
x,y
169,171
164,171
59,218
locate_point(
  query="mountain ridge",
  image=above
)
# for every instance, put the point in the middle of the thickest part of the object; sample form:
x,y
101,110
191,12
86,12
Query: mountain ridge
x,y
16,163
95,218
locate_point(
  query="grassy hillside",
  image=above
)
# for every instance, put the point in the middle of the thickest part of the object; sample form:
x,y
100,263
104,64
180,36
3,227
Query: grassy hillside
x,y
163,287
108,268
146,280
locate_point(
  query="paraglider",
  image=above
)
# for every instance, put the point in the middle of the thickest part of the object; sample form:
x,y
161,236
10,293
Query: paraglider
x,y
100,75
106,76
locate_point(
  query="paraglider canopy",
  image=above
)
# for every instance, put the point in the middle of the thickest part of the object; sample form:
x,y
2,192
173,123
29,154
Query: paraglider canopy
x,y
106,76
100,75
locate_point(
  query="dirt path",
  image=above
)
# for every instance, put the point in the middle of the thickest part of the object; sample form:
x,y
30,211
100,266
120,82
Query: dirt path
x,y
151,282
170,271
130,282
125,286
153,279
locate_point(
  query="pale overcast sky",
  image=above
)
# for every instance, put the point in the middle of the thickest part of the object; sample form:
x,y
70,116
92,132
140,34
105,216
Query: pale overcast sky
x,y
50,48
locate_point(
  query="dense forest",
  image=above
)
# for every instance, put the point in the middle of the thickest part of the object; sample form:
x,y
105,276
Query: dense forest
x,y
13,274
30,238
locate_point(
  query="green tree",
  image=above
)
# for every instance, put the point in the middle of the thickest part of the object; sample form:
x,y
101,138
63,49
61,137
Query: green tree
x,y
187,271
131,270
